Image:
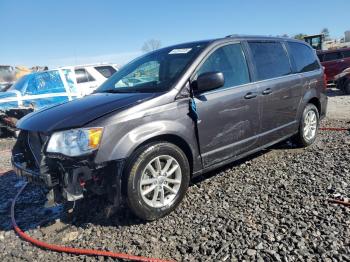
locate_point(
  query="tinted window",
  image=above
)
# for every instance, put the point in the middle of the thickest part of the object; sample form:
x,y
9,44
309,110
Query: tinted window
x,y
83,76
346,53
304,57
44,83
331,56
231,62
271,59
320,56
106,71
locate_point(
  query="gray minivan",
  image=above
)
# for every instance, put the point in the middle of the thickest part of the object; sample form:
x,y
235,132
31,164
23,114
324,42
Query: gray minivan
x,y
170,115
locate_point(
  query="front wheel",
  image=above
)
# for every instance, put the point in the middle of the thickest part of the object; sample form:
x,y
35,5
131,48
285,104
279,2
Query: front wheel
x,y
308,126
157,180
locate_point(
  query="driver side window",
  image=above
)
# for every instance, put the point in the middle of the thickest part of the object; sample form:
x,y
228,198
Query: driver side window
x,y
230,61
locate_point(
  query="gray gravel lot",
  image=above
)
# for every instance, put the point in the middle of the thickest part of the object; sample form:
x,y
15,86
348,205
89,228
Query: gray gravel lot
x,y
269,207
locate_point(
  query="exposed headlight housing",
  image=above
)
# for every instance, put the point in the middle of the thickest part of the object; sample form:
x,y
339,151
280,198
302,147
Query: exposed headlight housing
x,y
75,142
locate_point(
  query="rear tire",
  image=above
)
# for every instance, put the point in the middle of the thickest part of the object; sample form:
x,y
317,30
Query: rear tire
x,y
308,127
347,87
157,177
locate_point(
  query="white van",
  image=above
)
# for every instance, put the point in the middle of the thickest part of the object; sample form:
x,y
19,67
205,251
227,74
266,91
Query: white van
x,y
89,77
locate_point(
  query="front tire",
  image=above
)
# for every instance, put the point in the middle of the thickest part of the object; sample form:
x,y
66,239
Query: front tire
x,y
308,127
158,175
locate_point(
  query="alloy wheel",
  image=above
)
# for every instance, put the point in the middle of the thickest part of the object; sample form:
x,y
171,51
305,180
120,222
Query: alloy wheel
x,y
160,181
310,125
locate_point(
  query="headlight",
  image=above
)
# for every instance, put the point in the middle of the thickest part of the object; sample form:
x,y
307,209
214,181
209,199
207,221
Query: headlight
x,y
75,142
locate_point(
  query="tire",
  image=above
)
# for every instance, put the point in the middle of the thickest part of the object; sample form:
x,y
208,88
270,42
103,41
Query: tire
x,y
347,87
303,138
175,176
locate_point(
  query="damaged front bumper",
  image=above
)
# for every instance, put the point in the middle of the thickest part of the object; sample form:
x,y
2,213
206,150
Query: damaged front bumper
x,y
66,178
32,176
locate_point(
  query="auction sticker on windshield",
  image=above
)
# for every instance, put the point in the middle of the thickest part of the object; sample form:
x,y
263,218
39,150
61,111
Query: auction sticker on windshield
x,y
180,51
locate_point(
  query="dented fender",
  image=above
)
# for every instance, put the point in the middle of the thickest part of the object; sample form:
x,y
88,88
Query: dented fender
x,y
120,138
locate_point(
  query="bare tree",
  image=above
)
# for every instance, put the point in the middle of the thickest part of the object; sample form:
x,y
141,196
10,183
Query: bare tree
x,y
325,32
299,36
151,45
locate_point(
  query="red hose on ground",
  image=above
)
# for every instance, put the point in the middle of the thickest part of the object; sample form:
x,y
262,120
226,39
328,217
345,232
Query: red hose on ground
x,y
5,151
71,250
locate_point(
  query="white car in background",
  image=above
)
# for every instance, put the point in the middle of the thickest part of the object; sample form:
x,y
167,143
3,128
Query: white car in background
x,y
89,77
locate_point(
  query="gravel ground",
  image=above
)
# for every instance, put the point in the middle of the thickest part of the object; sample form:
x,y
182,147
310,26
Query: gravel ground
x,y
338,104
271,206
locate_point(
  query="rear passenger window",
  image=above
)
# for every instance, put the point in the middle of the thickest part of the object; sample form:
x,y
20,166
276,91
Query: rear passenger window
x,y
229,60
83,76
331,56
271,59
304,57
106,71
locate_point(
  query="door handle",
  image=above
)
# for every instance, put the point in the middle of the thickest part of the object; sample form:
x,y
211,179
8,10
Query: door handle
x,y
250,95
267,91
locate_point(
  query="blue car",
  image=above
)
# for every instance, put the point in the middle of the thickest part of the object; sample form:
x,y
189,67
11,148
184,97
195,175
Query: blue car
x,y
35,91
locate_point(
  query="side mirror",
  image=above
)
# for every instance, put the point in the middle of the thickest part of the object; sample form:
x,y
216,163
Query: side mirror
x,y
210,80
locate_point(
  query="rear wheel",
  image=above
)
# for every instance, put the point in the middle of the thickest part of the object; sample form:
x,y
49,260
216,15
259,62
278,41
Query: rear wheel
x,y
347,87
308,126
157,180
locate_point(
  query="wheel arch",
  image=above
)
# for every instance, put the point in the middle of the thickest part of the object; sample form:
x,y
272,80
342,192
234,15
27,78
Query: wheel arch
x,y
316,102
310,96
173,139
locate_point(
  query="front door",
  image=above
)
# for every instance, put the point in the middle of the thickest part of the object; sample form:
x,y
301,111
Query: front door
x,y
228,117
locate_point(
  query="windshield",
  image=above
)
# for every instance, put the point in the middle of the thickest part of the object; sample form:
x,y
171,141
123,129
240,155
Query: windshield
x,y
20,84
153,72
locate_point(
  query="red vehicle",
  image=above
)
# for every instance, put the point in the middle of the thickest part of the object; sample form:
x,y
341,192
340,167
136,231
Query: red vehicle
x,y
335,62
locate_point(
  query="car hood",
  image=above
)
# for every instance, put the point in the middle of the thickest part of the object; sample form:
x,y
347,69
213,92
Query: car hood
x,y
79,112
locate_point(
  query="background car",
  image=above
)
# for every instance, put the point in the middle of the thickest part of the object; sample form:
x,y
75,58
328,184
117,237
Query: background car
x,y
7,77
89,77
334,62
343,81
35,91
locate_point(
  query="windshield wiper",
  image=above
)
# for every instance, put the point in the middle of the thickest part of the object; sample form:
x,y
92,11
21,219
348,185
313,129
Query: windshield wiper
x,y
116,91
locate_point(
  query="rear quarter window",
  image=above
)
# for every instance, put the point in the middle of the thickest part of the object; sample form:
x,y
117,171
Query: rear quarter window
x,y
304,57
106,71
270,59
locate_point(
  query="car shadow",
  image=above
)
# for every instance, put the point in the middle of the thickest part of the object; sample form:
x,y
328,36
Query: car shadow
x,y
279,146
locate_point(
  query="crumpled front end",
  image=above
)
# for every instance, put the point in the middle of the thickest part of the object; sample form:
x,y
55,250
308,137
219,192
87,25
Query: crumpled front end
x,y
66,178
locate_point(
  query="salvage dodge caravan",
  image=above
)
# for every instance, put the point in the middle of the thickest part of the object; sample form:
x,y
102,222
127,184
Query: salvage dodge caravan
x,y
170,115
